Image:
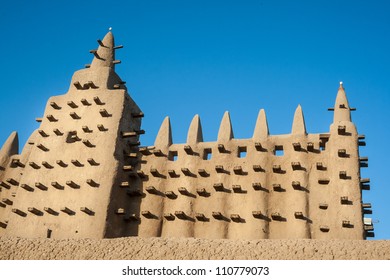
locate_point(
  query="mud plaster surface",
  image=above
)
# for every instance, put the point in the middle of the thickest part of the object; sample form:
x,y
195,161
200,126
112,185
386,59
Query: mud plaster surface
x,y
190,249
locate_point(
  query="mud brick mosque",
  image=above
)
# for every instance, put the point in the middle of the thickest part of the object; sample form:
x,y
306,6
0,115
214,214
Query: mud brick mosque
x,y
85,174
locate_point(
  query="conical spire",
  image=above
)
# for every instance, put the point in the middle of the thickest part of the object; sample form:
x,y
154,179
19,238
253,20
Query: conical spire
x,y
298,126
225,132
261,128
164,136
11,146
195,134
341,107
105,54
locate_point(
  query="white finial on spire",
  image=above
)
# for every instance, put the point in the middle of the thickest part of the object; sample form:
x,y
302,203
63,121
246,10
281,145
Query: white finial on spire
x,y
110,28
341,83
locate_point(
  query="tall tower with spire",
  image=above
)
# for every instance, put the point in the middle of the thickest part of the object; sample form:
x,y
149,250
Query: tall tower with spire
x,y
83,173
66,182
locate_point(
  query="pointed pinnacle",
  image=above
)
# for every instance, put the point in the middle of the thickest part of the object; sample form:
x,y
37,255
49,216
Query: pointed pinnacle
x,y
164,136
225,132
104,56
298,126
261,128
195,134
11,146
341,107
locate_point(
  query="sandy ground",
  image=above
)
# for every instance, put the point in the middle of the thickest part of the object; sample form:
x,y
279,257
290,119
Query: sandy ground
x,y
190,249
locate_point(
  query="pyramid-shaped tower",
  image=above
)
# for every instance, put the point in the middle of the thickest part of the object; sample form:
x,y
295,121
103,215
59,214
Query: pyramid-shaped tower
x,y
66,182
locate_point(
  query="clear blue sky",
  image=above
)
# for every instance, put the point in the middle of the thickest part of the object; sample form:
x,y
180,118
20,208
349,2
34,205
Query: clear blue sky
x,y
183,58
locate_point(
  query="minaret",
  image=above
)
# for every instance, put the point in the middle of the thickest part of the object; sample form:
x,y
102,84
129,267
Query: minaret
x,y
76,177
298,174
344,211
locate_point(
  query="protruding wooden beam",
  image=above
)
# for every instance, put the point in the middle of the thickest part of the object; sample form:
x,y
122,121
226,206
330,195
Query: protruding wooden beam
x,y
297,146
137,115
51,118
15,162
40,186
238,170
50,211
34,165
203,173
98,101
68,211
57,132
201,217
323,181
299,215
170,194
341,129
147,214
92,183
101,127
87,211
202,192
92,162
74,115
54,105
87,143
42,147
7,201
324,228
258,168
127,134
236,218
85,102
61,163
181,215
27,187
347,224
71,104
104,113
237,189
217,215
72,184
219,187
125,184
35,211
57,185
19,212
43,133
12,181
323,206
152,190
219,169
77,163
276,216
169,216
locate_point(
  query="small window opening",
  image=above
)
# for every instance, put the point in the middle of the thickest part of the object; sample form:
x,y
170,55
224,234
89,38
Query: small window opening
x,y
241,152
207,154
324,138
172,155
48,233
279,151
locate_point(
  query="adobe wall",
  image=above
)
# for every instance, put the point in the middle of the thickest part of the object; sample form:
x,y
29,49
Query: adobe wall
x,y
245,189
134,248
